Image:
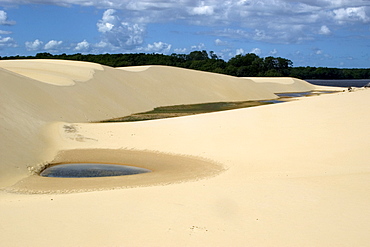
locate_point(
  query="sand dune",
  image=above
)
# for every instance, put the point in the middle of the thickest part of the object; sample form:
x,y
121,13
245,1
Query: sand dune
x,y
135,68
30,101
287,84
290,174
55,72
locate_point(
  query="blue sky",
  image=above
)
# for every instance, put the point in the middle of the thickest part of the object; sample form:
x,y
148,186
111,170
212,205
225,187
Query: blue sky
x,y
330,33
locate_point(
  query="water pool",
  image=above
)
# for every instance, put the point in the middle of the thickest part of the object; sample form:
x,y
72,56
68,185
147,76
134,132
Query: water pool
x,y
87,170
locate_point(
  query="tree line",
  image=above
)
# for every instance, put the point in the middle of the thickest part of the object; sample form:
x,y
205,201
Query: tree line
x,y
248,65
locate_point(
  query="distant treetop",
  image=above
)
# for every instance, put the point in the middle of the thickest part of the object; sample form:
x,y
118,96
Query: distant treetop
x,y
248,65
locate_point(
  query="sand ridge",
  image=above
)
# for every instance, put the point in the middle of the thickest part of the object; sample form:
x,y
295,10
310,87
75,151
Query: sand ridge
x,y
288,84
135,68
55,72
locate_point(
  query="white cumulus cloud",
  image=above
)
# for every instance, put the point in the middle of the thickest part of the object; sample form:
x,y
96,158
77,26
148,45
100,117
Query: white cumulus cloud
x,y
120,34
52,45
239,51
106,24
34,45
324,30
220,42
157,47
273,52
7,42
82,46
102,44
256,51
202,9
180,50
354,14
123,24
4,19
199,47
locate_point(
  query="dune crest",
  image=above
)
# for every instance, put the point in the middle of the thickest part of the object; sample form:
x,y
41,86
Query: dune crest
x,y
54,72
135,68
287,84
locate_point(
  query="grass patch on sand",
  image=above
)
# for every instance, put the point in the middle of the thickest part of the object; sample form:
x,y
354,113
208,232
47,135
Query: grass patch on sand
x,y
185,110
192,109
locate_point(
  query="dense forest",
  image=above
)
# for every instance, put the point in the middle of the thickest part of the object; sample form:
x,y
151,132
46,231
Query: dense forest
x,y
241,65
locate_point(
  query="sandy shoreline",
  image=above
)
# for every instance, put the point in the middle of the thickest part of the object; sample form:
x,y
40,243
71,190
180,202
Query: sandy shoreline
x,y
165,169
290,174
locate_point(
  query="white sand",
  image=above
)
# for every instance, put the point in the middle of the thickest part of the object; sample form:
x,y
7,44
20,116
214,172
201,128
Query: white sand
x,y
287,84
290,174
29,105
135,68
55,72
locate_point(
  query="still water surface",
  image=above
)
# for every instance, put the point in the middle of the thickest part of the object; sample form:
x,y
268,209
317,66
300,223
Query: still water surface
x,y
87,170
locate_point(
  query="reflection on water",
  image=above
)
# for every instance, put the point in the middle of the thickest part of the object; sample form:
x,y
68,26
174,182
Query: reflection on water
x,y
86,170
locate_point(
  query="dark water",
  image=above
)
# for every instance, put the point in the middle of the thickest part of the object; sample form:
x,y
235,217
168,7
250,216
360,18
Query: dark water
x,y
294,95
303,94
87,170
273,101
340,83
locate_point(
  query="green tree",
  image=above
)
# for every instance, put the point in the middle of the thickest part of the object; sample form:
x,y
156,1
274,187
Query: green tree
x,y
198,55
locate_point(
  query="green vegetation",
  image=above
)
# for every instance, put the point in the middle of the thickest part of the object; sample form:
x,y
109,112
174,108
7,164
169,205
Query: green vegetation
x,y
329,73
240,65
185,110
192,109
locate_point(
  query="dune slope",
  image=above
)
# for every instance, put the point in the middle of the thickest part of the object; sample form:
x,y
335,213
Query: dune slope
x,y
289,174
295,174
287,84
35,93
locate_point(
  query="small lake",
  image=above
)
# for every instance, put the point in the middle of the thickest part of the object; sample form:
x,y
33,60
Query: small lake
x,y
88,170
